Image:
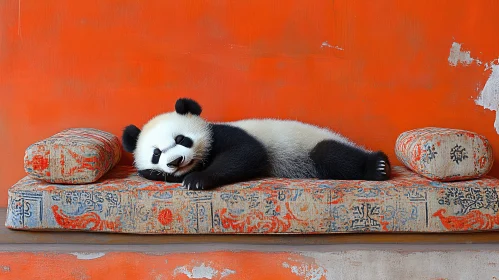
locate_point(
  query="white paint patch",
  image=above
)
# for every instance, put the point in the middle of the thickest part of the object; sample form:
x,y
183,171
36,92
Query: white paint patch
x,y
489,97
327,45
88,256
456,56
491,64
306,271
227,272
202,272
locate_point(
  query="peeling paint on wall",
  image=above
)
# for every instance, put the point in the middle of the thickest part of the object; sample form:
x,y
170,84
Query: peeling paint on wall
x,y
226,272
360,264
307,271
87,256
456,56
391,262
202,271
327,45
489,96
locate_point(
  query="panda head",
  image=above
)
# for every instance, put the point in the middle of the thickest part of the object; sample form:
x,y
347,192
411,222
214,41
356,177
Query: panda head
x,y
172,143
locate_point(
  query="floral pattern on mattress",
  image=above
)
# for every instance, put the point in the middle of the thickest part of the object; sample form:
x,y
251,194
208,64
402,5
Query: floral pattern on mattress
x,y
124,202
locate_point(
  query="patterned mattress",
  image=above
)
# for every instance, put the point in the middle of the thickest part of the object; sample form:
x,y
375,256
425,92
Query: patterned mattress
x,y
123,202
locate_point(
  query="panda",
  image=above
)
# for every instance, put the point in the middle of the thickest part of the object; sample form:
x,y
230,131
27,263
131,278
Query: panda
x,y
182,147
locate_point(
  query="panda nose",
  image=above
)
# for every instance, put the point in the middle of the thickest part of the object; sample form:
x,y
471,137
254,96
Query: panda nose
x,y
176,162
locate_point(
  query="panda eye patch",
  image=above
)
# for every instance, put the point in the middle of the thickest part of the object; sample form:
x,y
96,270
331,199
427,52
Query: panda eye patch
x,y
184,141
179,139
155,156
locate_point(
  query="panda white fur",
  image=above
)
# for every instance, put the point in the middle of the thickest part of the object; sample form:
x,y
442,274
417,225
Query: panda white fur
x,y
181,146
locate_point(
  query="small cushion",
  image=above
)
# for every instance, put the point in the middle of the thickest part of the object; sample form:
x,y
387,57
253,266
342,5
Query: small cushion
x,y
73,156
444,154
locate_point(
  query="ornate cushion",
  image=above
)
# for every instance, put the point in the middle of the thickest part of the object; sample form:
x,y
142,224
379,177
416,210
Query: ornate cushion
x,y
445,154
73,156
124,202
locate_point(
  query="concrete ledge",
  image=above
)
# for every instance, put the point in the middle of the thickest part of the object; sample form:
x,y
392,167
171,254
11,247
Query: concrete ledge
x,y
397,262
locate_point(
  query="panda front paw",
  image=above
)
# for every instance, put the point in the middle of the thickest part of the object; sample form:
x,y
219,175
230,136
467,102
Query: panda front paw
x,y
197,181
378,167
383,168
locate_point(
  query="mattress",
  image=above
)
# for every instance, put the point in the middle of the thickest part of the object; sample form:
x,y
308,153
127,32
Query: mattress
x,y
123,202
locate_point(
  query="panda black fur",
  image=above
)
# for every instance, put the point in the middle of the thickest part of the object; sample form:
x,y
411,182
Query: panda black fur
x,y
180,147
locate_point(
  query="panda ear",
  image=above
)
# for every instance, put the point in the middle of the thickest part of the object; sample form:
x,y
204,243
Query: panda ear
x,y
184,106
130,137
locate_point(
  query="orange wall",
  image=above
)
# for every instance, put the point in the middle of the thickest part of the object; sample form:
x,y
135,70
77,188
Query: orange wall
x,y
106,64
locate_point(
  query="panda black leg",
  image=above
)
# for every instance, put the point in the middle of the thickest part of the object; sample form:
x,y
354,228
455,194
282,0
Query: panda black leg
x,y
337,161
155,175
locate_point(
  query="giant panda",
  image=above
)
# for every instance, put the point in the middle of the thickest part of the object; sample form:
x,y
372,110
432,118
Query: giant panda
x,y
182,147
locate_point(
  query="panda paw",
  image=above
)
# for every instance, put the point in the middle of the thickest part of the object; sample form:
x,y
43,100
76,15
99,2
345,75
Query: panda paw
x,y
383,167
379,168
196,181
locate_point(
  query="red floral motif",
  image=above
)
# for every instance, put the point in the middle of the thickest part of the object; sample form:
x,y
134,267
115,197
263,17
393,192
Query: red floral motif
x,y
474,220
418,153
336,197
482,161
83,221
165,216
257,222
81,163
39,163
384,225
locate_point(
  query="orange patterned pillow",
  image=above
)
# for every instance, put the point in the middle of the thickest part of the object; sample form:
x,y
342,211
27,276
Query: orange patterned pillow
x,y
444,154
73,156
